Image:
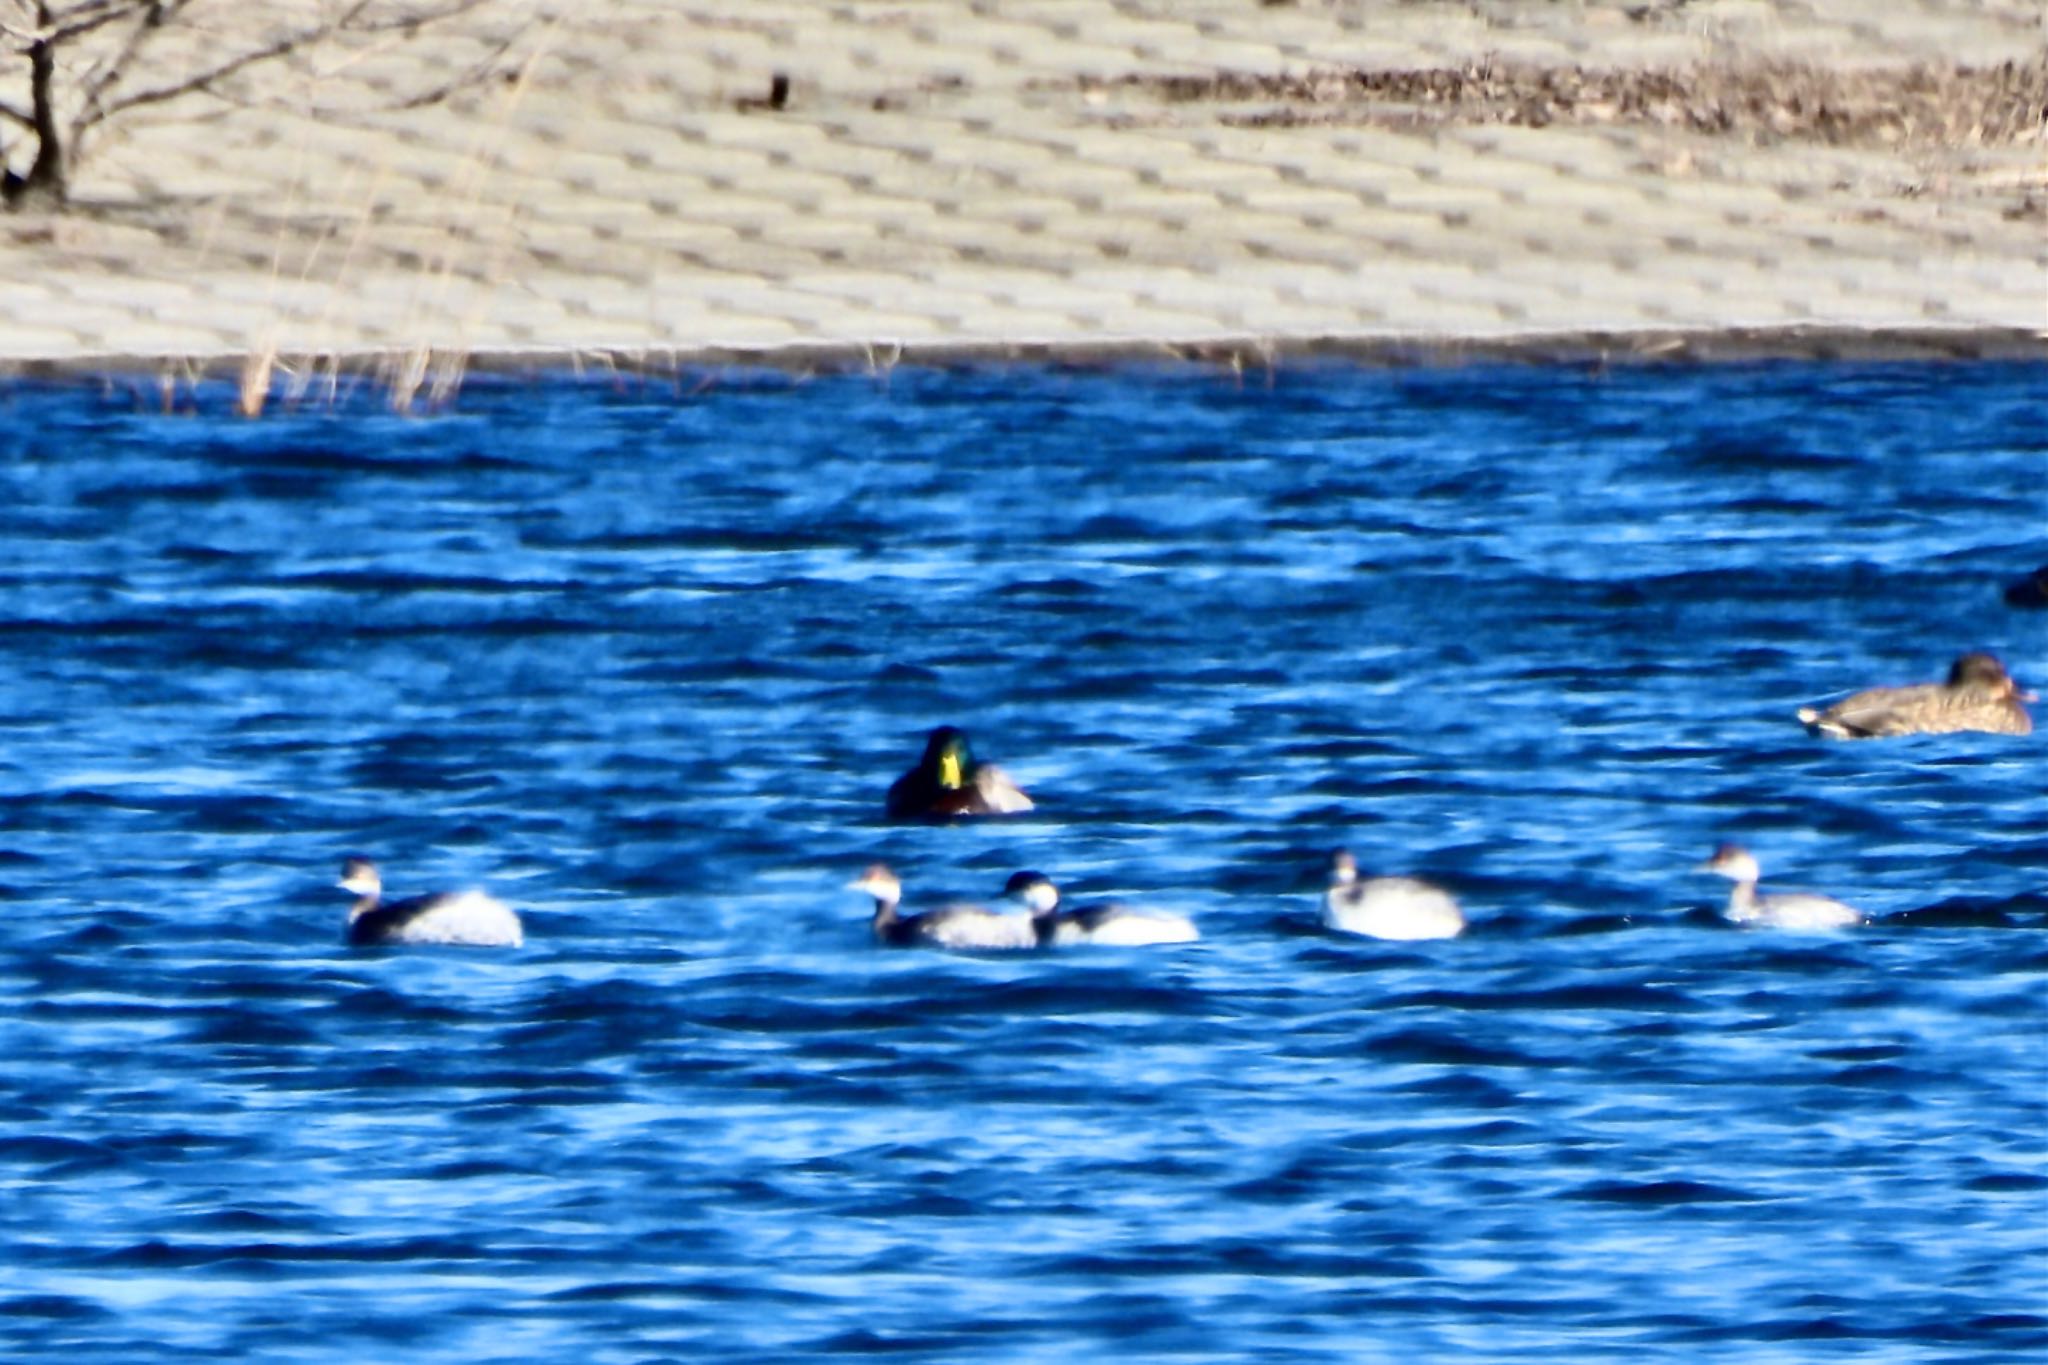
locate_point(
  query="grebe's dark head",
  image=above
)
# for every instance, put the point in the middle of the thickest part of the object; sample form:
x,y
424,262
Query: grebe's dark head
x,y
878,881
1343,868
360,876
1734,862
1035,890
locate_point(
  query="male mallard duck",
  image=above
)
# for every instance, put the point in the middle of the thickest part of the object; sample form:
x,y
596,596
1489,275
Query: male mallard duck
x,y
470,918
951,926
1781,910
1400,908
948,782
1115,926
1979,695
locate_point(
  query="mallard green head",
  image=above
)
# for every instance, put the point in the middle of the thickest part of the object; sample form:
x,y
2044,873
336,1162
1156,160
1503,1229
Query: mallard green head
x,y
947,757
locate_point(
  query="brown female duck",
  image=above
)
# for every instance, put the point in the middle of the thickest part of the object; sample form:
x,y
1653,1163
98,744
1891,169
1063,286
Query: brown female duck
x,y
1979,695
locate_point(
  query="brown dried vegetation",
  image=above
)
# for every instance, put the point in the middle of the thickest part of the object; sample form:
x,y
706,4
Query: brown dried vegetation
x,y
1759,101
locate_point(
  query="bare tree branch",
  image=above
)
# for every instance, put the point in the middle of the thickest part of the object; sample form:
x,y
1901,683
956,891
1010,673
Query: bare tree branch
x,y
90,58
77,25
61,28
479,71
417,19
108,71
58,16
39,25
282,47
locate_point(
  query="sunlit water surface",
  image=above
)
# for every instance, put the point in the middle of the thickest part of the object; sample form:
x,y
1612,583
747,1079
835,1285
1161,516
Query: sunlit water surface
x,y
642,658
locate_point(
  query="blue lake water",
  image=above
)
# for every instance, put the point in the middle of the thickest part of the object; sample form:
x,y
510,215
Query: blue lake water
x,y
642,658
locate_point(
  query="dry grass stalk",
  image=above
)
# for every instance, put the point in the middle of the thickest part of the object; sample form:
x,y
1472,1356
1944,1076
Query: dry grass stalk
x,y
468,224
406,372
254,390
445,377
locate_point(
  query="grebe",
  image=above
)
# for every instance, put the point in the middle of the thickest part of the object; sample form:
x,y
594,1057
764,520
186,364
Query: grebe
x,y
1115,926
951,926
948,782
465,917
1979,695
1404,909
1780,910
